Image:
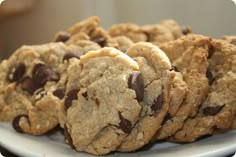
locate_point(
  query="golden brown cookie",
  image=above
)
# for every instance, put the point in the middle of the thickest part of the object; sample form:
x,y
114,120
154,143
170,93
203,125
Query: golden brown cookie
x,y
101,103
189,56
29,85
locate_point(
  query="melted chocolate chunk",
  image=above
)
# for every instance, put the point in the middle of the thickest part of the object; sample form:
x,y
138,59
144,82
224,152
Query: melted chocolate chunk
x,y
17,72
60,93
167,117
210,77
148,36
211,51
28,85
71,95
100,40
62,37
16,121
85,95
70,55
173,67
157,104
43,73
136,83
212,110
68,138
186,30
125,125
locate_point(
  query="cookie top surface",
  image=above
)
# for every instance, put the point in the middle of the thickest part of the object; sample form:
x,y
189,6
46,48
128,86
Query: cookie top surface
x,y
131,30
101,103
25,77
87,35
155,69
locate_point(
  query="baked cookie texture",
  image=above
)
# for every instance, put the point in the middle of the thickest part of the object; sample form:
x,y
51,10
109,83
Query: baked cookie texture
x,y
101,103
165,31
188,56
230,38
217,113
123,42
87,35
28,86
130,30
122,88
155,69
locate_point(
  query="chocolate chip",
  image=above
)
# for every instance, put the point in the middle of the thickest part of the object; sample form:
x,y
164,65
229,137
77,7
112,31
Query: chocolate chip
x,y
167,117
136,83
28,85
210,77
70,55
211,51
36,68
16,121
68,138
17,72
100,40
148,36
125,124
186,30
157,104
62,37
173,67
85,95
60,93
97,102
43,73
212,110
71,95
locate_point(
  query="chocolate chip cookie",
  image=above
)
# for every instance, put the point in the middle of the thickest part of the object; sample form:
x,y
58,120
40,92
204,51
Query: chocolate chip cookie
x,y
165,31
86,34
217,113
130,30
123,42
101,105
155,69
29,86
188,56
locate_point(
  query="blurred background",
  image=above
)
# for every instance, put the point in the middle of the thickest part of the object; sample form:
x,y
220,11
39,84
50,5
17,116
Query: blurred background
x,y
37,21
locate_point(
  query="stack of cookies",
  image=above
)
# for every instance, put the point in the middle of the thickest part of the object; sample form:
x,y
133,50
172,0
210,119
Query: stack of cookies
x,y
120,89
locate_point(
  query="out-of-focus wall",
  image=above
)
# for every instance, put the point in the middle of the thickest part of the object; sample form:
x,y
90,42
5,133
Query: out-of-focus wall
x,y
209,17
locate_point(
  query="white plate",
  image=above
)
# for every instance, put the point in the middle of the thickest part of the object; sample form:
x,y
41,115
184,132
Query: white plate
x,y
53,146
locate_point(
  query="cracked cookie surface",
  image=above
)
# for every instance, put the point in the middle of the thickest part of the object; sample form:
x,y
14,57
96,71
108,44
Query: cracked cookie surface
x,y
101,103
155,69
29,79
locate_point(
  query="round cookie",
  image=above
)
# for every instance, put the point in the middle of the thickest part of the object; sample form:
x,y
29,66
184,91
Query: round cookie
x,y
101,103
189,56
86,34
28,86
123,42
218,111
165,31
155,69
131,30
177,30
